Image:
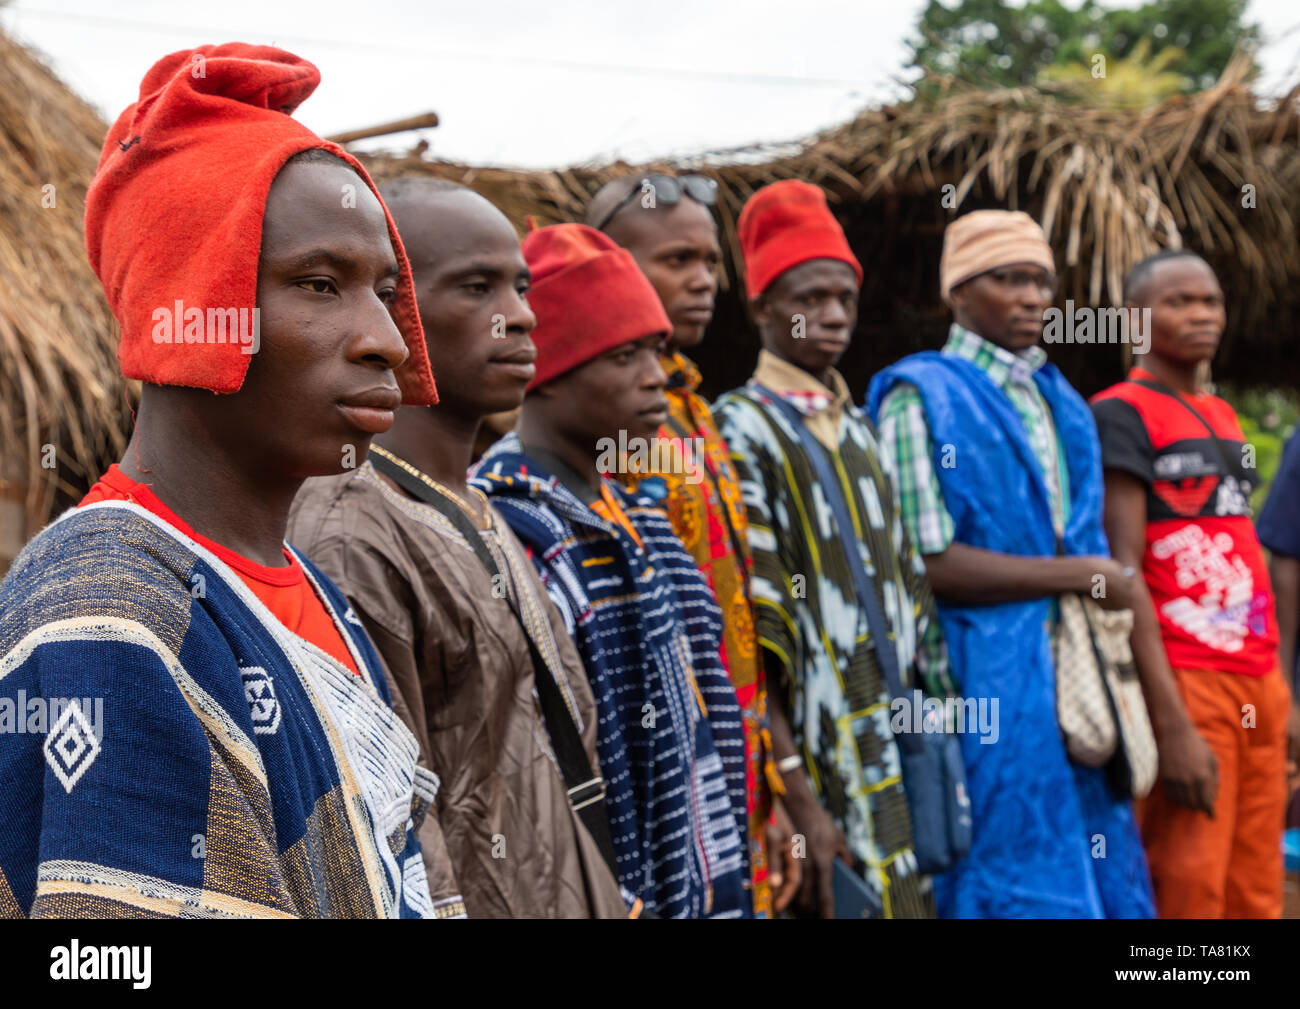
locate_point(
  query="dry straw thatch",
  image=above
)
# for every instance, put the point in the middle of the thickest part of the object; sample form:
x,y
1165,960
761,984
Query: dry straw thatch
x,y
1109,185
59,381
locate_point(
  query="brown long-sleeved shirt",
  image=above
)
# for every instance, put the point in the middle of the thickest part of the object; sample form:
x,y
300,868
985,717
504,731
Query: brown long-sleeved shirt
x,y
502,832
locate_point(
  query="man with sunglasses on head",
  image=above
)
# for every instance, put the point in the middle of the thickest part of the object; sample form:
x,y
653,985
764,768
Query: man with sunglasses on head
x,y
998,470
666,223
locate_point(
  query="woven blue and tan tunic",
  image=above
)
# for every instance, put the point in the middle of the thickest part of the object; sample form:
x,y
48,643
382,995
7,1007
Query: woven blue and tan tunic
x,y
173,750
670,737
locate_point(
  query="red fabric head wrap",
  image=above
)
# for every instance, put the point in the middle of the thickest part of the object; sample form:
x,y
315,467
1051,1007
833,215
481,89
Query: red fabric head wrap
x,y
174,213
786,224
588,295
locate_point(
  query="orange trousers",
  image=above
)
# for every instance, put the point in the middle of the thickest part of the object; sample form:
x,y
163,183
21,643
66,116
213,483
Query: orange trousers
x,y
1229,866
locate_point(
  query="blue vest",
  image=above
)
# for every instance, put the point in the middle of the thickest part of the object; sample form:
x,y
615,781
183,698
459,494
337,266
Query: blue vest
x,y
1051,840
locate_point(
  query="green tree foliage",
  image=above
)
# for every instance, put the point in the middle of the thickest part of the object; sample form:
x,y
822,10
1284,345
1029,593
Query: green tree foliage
x,y
992,43
1268,418
1135,81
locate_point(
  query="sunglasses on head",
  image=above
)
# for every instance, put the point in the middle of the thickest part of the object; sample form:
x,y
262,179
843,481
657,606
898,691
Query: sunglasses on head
x,y
666,190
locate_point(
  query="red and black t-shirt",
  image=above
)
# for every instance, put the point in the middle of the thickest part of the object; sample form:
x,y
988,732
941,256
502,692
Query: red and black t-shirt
x,y
1203,563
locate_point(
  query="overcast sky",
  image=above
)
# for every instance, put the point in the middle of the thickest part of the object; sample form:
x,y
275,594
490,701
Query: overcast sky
x,y
541,84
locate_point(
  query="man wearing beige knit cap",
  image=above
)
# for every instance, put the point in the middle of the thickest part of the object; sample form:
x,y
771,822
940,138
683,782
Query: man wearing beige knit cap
x,y
997,465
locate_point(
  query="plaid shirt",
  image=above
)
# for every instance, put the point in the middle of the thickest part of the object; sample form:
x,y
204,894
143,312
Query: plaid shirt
x,y
907,450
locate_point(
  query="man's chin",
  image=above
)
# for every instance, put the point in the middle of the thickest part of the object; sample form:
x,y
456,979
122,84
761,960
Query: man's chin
x,y
640,427
504,400
817,359
686,336
1022,340
344,457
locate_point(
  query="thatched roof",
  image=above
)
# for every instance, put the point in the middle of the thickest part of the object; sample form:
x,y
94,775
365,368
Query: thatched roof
x,y
1109,186
59,380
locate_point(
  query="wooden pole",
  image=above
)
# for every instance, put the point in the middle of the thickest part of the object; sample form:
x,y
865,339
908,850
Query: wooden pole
x,y
400,126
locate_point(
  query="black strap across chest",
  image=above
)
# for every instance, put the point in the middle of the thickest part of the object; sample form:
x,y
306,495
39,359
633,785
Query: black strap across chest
x,y
586,788
1164,390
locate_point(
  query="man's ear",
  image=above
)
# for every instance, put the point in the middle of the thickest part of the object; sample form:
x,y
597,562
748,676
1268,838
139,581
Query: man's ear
x,y
959,303
759,312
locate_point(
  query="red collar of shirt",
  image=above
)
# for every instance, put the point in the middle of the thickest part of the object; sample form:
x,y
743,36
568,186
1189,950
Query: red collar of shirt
x,y
115,485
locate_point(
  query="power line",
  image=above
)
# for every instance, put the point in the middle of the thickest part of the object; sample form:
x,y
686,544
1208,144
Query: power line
x,y
715,76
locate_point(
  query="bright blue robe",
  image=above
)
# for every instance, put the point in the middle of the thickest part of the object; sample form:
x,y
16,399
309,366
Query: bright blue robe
x,y
1050,837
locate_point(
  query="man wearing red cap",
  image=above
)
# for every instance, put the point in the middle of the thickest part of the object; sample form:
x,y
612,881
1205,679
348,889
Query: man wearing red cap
x,y
214,737
670,739
451,601
666,223
998,469
830,723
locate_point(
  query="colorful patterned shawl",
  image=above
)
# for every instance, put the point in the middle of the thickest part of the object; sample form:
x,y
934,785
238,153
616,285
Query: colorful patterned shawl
x,y
670,739
226,768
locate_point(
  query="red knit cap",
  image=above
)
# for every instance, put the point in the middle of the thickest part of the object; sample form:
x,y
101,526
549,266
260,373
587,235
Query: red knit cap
x,y
174,213
785,224
588,295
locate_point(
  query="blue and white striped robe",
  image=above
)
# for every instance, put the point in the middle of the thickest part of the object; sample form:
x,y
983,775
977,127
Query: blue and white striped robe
x,y
646,623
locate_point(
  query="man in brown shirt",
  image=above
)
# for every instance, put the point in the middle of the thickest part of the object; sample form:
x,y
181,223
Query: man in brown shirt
x,y
505,834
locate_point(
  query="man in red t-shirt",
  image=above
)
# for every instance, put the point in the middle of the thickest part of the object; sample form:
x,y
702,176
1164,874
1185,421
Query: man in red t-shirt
x,y
1178,482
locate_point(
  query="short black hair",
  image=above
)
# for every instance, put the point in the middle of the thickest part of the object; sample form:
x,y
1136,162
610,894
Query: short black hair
x,y
318,155
609,196
414,186
1141,271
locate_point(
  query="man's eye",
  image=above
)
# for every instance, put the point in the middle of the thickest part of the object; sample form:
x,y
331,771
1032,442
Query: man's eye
x,y
476,287
388,295
318,285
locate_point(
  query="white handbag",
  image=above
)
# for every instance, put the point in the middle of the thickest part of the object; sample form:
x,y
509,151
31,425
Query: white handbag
x,y
1099,704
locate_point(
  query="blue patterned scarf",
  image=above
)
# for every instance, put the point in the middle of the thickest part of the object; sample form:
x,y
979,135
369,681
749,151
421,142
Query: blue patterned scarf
x,y
670,739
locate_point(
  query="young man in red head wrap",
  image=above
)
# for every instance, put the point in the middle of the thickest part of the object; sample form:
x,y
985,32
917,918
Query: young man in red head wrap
x,y
830,699
210,731
670,738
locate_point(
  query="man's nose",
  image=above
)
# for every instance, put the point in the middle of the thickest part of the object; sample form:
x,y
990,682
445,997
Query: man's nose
x,y
378,336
